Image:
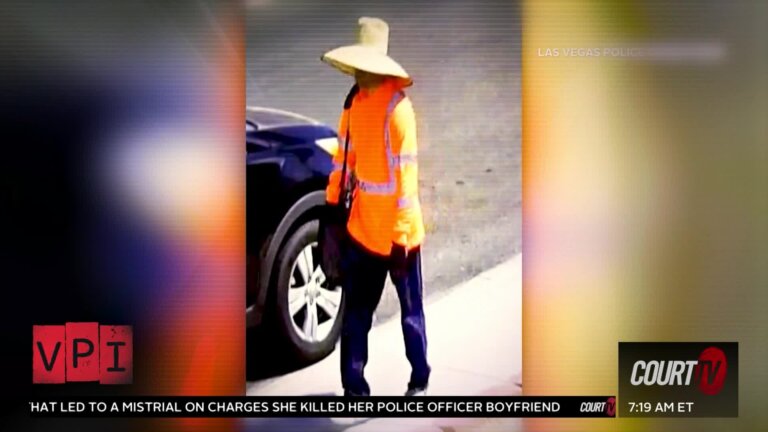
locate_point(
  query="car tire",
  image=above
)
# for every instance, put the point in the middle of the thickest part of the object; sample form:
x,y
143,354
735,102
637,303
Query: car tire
x,y
303,302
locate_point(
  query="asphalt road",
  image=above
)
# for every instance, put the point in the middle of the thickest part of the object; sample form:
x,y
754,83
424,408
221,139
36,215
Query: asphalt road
x,y
464,57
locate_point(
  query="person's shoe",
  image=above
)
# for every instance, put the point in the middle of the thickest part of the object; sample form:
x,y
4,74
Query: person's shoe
x,y
350,421
416,391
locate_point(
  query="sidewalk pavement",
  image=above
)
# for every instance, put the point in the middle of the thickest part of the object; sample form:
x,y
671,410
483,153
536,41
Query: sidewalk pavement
x,y
474,334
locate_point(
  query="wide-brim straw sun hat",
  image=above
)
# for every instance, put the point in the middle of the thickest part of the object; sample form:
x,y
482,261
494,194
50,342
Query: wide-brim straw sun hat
x,y
369,54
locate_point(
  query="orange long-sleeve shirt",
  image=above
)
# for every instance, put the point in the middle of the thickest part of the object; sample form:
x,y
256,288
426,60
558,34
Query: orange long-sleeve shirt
x,y
383,157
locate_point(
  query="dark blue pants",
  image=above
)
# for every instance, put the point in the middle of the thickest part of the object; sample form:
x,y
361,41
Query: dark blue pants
x,y
365,275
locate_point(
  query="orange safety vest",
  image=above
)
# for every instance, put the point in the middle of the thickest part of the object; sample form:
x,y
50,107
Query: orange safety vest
x,y
382,157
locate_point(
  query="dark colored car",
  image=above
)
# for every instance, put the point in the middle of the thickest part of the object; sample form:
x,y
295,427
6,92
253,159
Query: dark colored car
x,y
289,158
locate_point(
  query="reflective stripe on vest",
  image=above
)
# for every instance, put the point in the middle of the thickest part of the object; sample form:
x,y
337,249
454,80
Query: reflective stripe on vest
x,y
402,160
389,187
376,188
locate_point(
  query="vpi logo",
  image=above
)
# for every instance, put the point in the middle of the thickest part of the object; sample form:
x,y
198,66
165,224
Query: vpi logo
x,y
708,371
78,352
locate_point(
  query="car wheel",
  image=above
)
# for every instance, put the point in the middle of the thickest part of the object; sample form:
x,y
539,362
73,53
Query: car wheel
x,y
308,310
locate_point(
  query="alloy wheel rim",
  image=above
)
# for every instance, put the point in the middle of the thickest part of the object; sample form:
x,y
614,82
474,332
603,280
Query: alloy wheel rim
x,y
312,305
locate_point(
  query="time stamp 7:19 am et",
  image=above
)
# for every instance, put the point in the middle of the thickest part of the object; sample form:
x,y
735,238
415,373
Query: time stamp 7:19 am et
x,y
660,407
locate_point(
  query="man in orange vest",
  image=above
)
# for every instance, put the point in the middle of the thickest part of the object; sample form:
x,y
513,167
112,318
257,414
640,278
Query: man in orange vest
x,y
385,222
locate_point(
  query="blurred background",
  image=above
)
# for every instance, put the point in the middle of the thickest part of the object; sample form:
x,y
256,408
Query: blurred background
x,y
644,194
122,193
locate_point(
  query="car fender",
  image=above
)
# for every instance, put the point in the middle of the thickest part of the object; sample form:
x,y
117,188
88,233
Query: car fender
x,y
299,208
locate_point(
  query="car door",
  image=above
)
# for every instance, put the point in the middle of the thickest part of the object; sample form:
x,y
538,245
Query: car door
x,y
264,186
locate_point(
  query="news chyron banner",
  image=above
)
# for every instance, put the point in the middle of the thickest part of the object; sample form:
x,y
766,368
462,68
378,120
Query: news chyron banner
x,y
678,379
327,406
656,379
90,353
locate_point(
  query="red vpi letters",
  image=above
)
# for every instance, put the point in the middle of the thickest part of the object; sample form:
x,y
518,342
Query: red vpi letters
x,y
78,352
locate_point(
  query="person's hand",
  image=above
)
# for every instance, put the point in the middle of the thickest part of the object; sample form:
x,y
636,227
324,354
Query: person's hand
x,y
398,262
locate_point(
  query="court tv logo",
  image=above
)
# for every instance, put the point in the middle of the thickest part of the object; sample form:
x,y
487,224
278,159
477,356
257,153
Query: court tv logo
x,y
678,379
708,372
